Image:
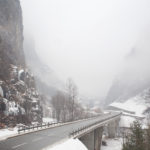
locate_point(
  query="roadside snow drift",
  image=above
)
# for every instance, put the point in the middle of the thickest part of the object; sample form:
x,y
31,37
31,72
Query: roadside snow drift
x,y
71,144
5,133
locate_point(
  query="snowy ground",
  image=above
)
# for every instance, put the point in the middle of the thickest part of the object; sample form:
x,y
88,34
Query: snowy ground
x,y
113,144
75,144
49,120
71,144
136,105
126,121
5,133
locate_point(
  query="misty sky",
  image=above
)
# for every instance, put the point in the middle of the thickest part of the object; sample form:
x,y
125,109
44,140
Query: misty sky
x,y
86,39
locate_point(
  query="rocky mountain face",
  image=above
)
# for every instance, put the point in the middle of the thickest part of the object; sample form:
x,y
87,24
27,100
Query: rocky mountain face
x,y
11,35
134,76
40,70
47,81
19,99
130,92
121,91
139,105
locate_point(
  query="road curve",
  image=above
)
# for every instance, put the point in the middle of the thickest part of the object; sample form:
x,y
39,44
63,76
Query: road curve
x,y
44,138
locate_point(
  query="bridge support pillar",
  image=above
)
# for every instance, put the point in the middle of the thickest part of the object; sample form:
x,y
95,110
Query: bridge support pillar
x,y
113,129
93,139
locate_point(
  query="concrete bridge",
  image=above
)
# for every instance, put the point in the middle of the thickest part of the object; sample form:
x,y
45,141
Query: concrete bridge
x,y
89,131
92,137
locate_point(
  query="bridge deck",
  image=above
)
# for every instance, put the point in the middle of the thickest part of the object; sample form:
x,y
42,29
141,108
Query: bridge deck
x,y
44,138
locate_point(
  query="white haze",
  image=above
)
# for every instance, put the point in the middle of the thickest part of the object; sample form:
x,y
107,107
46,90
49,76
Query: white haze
x,y
86,39
135,68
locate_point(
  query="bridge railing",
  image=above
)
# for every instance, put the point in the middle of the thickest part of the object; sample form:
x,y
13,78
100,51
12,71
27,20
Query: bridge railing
x,y
83,129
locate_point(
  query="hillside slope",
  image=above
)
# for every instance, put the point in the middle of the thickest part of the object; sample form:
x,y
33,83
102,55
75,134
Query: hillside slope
x,y
138,105
134,74
134,108
46,80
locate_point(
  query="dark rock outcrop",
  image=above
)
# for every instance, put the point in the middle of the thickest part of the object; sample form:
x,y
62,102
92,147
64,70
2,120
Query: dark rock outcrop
x,y
11,36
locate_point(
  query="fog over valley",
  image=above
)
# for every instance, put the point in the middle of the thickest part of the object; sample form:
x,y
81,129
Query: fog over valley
x,y
87,41
74,75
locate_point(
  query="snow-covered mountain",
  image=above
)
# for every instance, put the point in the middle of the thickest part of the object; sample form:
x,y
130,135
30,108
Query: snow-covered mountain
x,y
134,74
134,108
138,105
130,91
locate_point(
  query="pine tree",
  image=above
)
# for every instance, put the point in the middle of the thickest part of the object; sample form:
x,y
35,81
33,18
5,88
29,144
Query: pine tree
x,y
148,138
135,139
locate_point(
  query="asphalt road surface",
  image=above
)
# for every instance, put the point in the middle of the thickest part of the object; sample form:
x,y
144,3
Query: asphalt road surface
x,y
44,138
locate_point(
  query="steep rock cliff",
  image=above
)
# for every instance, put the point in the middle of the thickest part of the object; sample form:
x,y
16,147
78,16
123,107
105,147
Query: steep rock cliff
x,y
11,36
19,100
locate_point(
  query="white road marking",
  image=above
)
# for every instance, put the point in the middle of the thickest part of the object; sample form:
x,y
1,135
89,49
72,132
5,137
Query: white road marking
x,y
38,139
14,147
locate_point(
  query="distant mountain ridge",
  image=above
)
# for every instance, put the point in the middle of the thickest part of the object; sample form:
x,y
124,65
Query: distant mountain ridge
x,y
133,78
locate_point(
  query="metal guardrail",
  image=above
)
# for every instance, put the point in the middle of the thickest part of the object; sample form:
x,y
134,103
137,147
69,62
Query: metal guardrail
x,y
36,127
23,129
46,125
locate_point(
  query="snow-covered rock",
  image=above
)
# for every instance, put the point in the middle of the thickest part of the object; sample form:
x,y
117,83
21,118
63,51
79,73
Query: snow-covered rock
x,y
20,74
1,92
49,120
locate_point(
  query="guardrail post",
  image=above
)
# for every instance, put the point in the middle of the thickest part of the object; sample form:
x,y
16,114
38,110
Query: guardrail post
x,y
19,130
